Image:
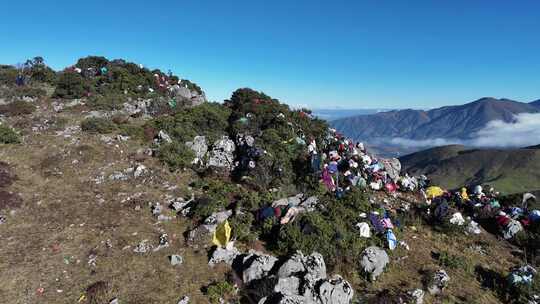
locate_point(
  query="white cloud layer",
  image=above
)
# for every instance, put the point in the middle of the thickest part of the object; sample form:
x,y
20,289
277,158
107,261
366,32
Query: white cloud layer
x,y
522,132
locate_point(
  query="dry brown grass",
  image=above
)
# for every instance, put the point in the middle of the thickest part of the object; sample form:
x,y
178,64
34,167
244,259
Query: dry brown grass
x,y
65,216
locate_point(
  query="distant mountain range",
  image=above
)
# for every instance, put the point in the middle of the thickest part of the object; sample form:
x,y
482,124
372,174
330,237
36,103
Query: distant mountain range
x,y
446,122
333,114
508,170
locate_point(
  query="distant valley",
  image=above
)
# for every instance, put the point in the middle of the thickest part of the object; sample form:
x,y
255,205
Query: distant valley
x,y
478,123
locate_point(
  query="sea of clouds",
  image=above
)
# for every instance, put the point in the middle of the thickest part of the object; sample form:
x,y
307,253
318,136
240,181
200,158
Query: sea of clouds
x,y
522,132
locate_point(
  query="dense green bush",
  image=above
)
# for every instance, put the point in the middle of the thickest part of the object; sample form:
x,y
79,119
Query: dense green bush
x,y
217,194
330,230
98,125
220,291
281,132
8,135
71,85
8,74
445,259
42,73
96,62
176,155
208,119
241,225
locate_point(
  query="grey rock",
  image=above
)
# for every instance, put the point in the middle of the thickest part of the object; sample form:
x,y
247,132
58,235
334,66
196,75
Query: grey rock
x,y
417,295
164,137
142,247
218,217
439,282
258,268
315,267
157,209
176,259
294,265
178,205
374,260
288,286
184,300
200,233
140,170
392,166
336,291
222,154
223,255
198,146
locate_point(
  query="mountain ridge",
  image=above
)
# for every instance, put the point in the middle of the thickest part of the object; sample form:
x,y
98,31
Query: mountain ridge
x,y
459,121
510,170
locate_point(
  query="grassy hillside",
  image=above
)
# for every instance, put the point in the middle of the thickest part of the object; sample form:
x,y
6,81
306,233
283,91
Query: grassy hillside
x,y
83,167
510,170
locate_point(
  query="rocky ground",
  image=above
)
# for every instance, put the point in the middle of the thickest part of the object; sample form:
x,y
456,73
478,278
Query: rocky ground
x,y
79,228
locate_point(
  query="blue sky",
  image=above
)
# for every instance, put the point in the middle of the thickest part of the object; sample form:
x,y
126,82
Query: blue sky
x,y
348,54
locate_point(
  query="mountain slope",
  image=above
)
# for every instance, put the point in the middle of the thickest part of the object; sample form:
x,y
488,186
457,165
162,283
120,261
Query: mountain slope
x,y
510,171
446,122
536,103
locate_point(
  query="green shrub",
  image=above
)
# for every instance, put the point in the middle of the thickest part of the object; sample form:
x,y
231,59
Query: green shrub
x,y
132,130
241,227
96,62
71,85
108,102
209,119
446,259
98,125
16,108
8,74
330,231
176,155
217,194
42,73
220,291
8,135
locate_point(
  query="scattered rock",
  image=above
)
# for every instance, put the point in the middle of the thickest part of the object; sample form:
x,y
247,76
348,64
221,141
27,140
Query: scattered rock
x,y
163,242
259,267
184,300
176,259
222,154
439,282
225,255
417,295
199,147
457,219
143,247
335,291
473,228
374,260
163,137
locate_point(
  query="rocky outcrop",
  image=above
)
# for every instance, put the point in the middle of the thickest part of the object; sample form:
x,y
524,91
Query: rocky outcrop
x,y
298,279
374,260
186,97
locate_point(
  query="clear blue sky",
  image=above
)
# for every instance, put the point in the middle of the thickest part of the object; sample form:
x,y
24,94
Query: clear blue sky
x,y
350,54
